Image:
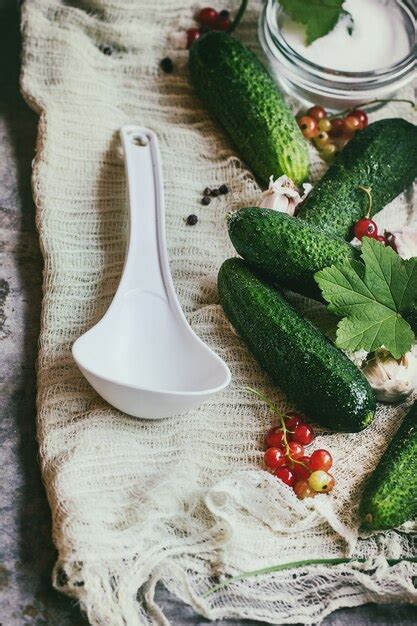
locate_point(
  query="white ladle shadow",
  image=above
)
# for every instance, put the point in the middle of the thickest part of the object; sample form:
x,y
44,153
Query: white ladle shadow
x,y
143,357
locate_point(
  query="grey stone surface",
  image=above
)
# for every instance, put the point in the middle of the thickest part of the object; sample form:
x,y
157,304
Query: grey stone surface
x,y
26,551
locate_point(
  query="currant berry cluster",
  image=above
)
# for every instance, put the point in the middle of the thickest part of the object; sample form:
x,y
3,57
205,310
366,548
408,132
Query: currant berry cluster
x,y
209,19
330,134
285,456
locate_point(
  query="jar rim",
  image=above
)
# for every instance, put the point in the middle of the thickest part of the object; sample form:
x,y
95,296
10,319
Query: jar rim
x,y
273,8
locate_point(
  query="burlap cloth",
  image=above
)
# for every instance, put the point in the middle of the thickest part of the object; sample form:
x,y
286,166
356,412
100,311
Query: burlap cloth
x,y
179,500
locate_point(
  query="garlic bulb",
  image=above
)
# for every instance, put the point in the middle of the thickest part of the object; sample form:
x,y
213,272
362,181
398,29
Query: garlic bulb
x,y
282,195
391,379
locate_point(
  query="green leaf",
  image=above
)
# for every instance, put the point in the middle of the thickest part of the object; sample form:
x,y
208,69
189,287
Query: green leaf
x,y
371,295
356,333
318,16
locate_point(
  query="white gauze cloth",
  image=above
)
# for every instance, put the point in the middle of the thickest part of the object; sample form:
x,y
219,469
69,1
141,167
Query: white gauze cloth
x,y
183,500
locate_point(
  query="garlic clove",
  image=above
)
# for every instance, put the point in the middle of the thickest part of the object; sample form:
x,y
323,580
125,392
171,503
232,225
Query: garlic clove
x,y
282,195
391,379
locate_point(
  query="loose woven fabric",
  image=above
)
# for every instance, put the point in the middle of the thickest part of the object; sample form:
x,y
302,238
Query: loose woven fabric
x,y
183,500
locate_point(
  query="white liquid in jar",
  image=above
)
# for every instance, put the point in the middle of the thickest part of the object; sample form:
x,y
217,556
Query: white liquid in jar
x,y
378,40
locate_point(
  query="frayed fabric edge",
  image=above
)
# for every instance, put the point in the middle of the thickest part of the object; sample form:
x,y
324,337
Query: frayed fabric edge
x,y
130,600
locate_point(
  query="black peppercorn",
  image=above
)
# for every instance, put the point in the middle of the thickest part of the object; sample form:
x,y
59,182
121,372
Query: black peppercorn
x,y
224,189
205,200
215,192
224,15
107,50
207,191
191,220
167,65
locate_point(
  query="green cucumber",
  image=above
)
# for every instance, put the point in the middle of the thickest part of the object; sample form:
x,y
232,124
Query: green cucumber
x,y
242,96
390,495
382,157
289,251
285,249
320,379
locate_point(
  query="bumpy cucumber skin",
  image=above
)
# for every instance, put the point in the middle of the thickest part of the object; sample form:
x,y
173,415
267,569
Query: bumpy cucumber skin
x,y
382,157
242,96
290,251
320,380
286,249
390,495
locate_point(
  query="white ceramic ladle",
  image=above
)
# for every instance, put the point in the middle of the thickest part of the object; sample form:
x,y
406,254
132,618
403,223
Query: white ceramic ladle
x,y
143,357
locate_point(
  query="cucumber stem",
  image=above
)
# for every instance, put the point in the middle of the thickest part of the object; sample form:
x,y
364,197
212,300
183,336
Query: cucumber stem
x,y
238,16
368,104
368,192
294,565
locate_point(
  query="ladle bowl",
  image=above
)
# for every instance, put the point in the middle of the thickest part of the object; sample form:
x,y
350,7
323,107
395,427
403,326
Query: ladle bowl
x,y
143,357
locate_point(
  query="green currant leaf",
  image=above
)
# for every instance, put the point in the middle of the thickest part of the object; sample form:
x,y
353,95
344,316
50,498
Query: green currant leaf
x,y
356,333
318,16
371,296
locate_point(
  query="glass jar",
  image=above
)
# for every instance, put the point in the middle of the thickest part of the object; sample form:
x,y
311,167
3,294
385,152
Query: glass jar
x,y
333,89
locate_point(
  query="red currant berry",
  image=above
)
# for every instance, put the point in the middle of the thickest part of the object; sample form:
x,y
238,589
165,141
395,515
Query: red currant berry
x,y
365,227
328,152
208,17
296,450
361,116
317,113
351,124
274,437
321,460
337,127
303,490
192,35
325,125
274,457
322,140
223,23
286,475
303,434
302,469
321,481
292,420
309,126
330,484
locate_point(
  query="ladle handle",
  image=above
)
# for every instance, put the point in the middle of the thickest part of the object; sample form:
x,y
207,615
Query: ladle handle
x,y
146,264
